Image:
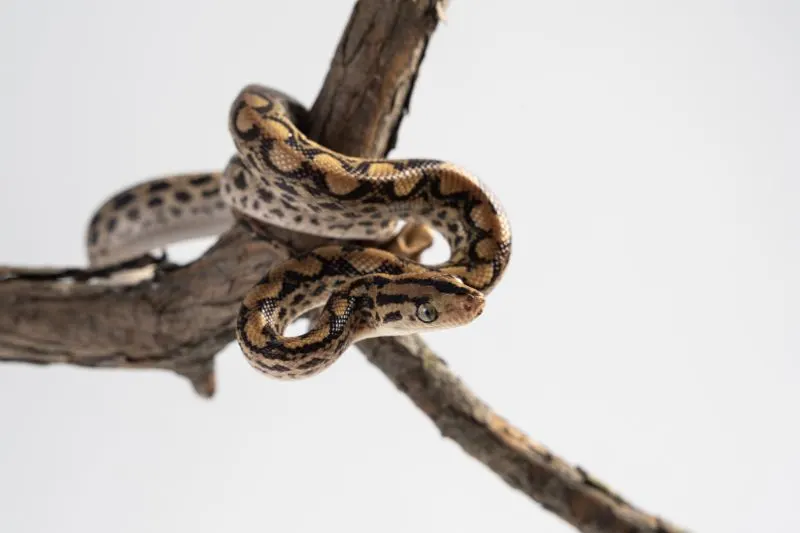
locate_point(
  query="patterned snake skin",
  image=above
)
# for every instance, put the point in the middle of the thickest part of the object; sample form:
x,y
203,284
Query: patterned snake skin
x,y
281,177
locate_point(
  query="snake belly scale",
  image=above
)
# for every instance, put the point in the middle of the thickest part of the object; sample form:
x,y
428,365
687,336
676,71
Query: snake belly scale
x,y
280,176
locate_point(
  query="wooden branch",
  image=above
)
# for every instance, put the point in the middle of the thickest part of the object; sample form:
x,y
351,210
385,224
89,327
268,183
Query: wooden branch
x,y
151,314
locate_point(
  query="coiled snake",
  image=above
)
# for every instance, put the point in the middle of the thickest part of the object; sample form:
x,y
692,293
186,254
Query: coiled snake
x,y
282,177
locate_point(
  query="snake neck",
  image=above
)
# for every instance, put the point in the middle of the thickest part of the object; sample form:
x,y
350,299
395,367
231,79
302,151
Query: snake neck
x,y
368,297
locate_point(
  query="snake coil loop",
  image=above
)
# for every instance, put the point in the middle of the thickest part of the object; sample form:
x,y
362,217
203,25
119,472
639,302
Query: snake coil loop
x,y
280,176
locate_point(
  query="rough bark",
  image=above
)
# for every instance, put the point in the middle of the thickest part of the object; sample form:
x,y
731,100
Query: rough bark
x,y
152,314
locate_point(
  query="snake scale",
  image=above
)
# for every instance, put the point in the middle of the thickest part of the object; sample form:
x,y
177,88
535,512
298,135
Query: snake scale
x,y
280,176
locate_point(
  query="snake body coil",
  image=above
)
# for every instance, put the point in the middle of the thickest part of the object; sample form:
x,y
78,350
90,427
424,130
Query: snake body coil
x,y
281,177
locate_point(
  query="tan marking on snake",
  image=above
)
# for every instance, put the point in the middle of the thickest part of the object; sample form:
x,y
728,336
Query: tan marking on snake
x,y
403,186
338,181
486,248
482,216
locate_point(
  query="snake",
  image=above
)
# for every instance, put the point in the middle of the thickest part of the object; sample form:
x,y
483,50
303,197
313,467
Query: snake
x,y
279,176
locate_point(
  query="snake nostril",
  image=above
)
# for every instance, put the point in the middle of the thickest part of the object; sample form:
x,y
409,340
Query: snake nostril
x,y
471,304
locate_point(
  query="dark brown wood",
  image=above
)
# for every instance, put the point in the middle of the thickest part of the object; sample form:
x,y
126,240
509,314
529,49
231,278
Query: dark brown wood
x,y
155,315
368,87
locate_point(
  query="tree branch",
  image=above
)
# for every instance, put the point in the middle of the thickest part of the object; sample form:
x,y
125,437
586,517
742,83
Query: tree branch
x,y
151,314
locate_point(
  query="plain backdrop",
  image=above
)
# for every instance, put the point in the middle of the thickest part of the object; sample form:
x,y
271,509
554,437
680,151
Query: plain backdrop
x,y
647,155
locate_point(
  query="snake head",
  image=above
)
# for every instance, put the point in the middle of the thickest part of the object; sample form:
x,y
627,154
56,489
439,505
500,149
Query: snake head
x,y
416,302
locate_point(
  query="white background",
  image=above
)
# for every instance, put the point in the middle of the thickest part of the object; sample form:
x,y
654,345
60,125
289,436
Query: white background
x,y
647,327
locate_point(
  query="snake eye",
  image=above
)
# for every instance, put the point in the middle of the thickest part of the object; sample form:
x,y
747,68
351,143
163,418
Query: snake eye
x,y
427,313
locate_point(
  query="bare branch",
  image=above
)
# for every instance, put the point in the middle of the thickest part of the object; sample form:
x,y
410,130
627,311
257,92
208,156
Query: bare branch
x,y
568,491
150,314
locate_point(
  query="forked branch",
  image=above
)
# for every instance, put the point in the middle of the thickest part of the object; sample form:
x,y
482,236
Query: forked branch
x,y
150,314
